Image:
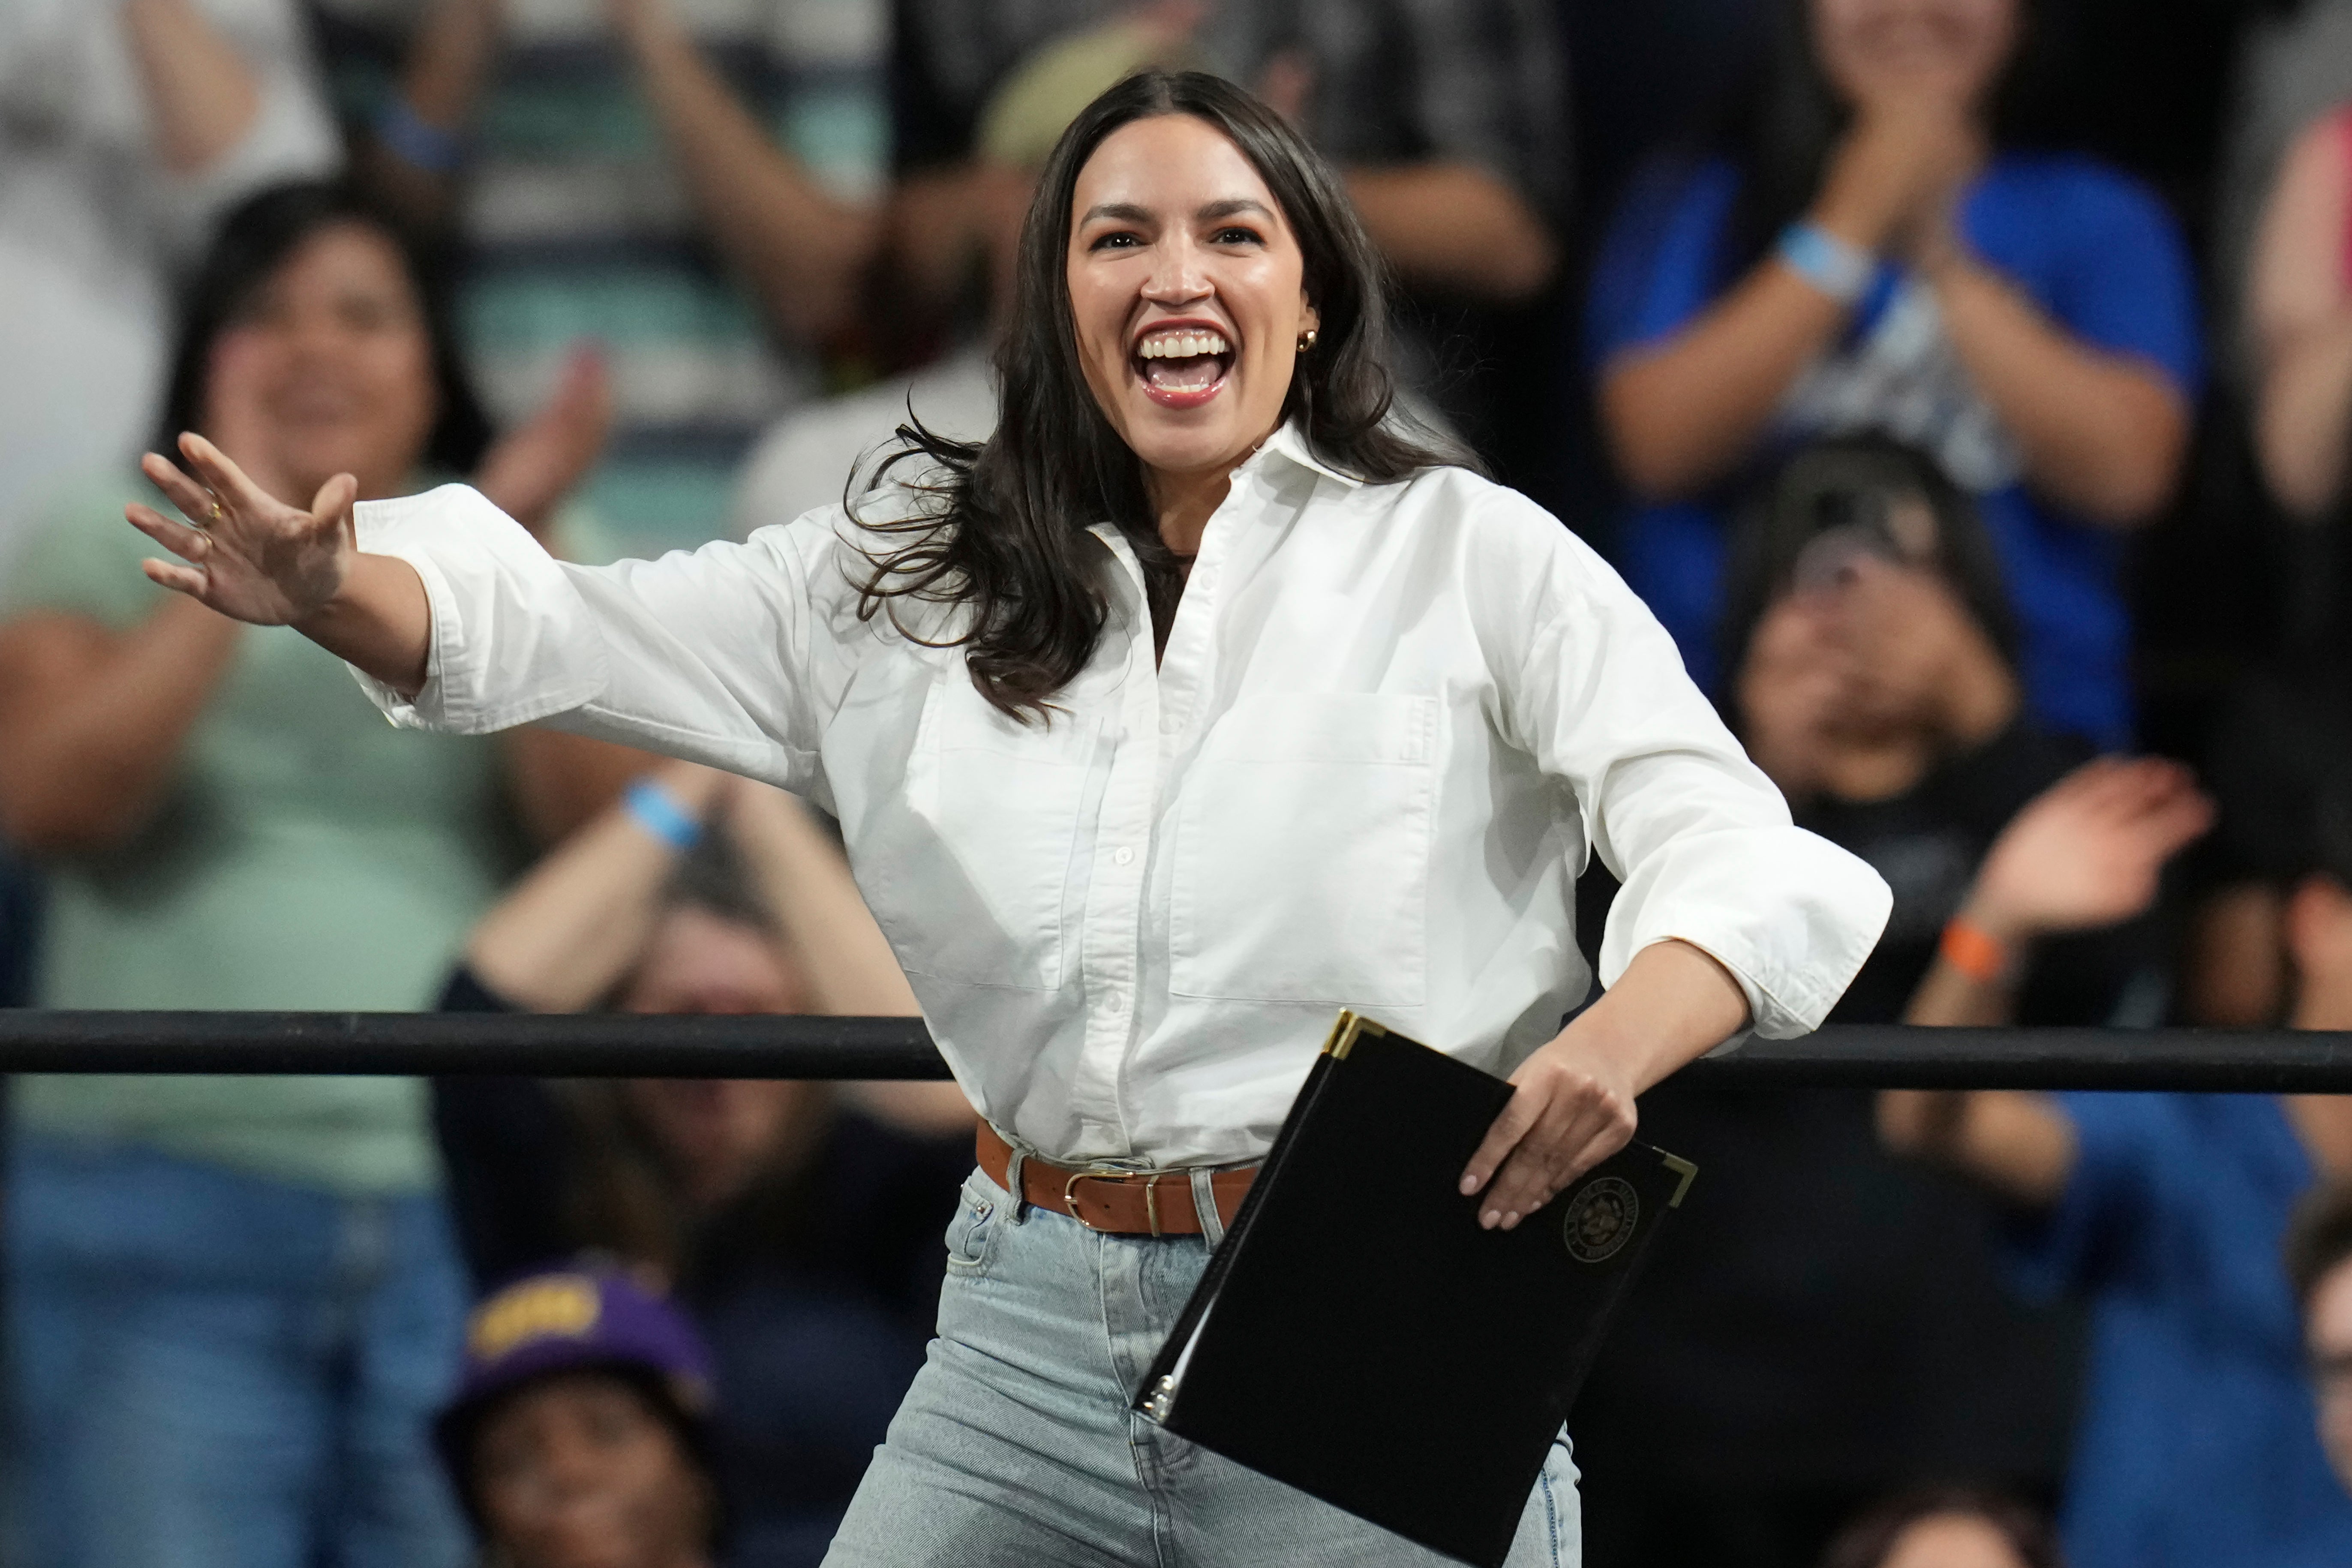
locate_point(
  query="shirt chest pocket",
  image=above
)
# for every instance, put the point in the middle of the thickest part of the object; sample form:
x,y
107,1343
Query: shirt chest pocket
x,y
994,805
1302,858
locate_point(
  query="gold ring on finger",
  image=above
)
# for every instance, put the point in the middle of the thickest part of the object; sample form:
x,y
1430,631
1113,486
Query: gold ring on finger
x,y
218,512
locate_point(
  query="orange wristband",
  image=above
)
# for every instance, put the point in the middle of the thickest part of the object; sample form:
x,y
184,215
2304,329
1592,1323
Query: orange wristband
x,y
1975,951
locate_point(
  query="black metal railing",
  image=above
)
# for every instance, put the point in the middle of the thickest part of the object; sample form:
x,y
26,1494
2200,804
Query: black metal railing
x,y
638,1046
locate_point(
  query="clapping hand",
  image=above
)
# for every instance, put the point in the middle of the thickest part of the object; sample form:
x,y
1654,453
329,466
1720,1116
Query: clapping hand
x,y
1913,145
532,468
2087,851
248,555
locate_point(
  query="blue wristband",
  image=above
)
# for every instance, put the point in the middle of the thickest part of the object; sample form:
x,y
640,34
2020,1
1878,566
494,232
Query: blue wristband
x,y
419,145
660,813
1838,270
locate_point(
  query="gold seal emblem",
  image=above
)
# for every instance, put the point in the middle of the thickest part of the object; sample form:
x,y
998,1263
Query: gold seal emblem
x,y
1601,1219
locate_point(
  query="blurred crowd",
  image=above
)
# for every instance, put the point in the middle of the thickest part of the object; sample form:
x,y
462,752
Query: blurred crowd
x,y
1966,385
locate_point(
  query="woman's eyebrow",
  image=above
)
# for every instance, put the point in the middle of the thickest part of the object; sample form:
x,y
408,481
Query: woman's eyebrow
x,y
1126,211
1231,206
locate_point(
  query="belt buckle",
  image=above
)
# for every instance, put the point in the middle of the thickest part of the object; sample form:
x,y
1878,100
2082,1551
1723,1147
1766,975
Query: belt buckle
x,y
1150,1195
1070,1198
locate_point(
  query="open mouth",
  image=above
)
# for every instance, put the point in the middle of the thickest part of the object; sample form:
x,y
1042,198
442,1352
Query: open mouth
x,y
1183,366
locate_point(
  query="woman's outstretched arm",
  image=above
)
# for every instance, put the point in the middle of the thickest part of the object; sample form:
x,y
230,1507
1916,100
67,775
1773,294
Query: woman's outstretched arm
x,y
456,620
258,560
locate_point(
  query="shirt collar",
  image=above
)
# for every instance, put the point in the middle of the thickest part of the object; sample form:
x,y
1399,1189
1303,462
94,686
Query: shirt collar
x,y
1288,444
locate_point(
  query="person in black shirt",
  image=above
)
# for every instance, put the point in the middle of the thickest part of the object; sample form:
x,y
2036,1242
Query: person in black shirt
x,y
1832,1325
798,1223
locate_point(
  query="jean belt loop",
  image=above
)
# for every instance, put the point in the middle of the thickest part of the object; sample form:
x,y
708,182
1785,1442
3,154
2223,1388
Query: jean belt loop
x,y
1012,1174
1204,1204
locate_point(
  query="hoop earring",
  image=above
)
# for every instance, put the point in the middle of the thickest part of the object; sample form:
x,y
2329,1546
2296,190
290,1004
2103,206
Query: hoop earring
x,y
1306,340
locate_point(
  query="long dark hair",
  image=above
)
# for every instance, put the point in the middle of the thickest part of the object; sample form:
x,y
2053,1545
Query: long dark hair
x,y
1003,531
1781,129
252,243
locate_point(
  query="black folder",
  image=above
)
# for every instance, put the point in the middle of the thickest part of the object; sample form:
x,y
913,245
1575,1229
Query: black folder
x,y
1358,1336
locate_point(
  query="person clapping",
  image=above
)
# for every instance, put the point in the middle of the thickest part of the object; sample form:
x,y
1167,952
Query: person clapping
x,y
1868,250
2166,1211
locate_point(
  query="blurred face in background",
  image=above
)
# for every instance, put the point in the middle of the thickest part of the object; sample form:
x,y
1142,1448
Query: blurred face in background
x,y
718,1134
1873,50
2327,1334
1952,1541
701,962
580,1472
328,369
1186,293
1863,652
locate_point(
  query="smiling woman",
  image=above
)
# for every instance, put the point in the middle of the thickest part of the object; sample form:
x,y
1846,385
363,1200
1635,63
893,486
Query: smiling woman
x,y
1175,210
1202,699
1872,247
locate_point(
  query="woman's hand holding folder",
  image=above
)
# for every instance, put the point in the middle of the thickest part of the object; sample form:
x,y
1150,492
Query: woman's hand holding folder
x,y
1573,1104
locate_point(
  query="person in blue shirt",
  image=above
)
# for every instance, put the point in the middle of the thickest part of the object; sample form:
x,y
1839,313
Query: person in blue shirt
x,y
2197,1446
1872,251
2319,1266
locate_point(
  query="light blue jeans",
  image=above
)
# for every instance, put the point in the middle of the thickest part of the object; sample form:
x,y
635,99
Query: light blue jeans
x,y
1016,1447
212,1370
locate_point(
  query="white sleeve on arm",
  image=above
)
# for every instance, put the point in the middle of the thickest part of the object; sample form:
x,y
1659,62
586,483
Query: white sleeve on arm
x,y
1699,837
703,654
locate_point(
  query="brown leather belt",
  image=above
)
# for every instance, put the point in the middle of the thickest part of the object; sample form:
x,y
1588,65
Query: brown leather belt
x,y
1117,1203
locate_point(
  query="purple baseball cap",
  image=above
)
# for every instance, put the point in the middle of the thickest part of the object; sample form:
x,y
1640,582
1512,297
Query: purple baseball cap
x,y
584,1319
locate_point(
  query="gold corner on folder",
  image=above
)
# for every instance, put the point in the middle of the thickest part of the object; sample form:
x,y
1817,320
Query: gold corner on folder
x,y
1332,1045
1687,1171
1345,1030
1342,1035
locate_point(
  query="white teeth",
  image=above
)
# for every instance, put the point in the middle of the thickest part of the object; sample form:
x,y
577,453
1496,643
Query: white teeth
x,y
1183,346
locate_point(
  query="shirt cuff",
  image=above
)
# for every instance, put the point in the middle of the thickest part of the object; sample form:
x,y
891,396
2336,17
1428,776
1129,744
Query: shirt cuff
x,y
1791,915
510,642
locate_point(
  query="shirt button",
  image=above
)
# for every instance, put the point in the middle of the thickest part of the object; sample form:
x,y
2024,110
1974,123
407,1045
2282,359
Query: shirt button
x,y
1123,855
1109,1003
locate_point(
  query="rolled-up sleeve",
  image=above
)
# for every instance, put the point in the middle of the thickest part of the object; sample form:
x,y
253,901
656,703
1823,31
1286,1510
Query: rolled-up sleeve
x,y
702,655
1700,839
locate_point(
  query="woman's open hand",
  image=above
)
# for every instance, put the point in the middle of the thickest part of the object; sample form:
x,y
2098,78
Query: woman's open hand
x,y
250,556
533,466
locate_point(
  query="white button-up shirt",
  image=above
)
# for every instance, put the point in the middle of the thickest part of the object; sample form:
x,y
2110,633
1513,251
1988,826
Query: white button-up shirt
x,y
1389,723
